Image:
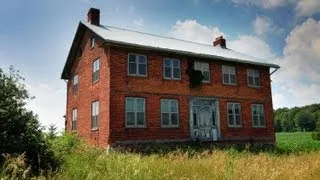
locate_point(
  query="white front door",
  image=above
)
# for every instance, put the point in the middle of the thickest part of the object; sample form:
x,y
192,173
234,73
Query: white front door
x,y
204,118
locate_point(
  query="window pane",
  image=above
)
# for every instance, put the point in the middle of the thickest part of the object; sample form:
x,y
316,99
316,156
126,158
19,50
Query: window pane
x,y
142,69
132,58
232,70
257,81
256,73
165,106
167,63
255,121
176,63
197,65
262,121
132,68
225,70
165,119
194,118
140,118
254,110
129,105
206,76
230,108
226,78
75,79
142,59
236,109
205,66
213,119
176,72
174,119
174,106
167,72
130,118
238,120
232,79
230,118
140,105
250,81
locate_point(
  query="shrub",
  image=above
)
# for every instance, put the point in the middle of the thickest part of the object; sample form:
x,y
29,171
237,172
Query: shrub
x,y
316,136
15,167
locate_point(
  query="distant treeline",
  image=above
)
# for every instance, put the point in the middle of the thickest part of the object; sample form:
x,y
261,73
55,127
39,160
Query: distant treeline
x,y
306,118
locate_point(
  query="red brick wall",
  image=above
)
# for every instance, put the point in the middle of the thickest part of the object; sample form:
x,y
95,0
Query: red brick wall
x,y
154,87
89,92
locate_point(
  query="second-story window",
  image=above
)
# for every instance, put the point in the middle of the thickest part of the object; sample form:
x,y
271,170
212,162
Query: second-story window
x,y
75,84
253,77
95,115
204,68
229,75
96,70
74,119
137,65
171,68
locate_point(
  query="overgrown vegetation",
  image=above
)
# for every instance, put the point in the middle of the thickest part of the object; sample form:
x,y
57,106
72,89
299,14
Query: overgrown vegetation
x,y
20,131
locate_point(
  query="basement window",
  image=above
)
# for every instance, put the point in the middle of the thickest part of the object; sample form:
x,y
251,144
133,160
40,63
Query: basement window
x,y
253,78
258,119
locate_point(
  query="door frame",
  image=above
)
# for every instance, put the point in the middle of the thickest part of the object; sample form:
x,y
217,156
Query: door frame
x,y
191,99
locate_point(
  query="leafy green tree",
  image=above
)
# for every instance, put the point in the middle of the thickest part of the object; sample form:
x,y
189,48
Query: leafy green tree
x,y
52,131
304,121
20,131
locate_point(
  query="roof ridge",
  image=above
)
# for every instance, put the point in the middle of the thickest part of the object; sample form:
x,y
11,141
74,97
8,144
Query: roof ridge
x,y
161,36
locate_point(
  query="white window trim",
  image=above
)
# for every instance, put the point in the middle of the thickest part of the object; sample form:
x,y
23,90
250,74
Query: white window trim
x,y
74,118
253,76
261,105
234,115
93,114
202,70
235,74
164,69
137,67
170,121
135,120
92,42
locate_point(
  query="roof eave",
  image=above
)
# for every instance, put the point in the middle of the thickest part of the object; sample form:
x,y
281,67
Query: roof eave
x,y
197,54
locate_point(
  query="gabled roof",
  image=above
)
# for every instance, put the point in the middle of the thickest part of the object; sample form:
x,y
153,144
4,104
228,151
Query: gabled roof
x,y
138,39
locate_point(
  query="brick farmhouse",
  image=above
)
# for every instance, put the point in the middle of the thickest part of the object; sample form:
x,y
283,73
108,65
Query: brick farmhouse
x,y
127,87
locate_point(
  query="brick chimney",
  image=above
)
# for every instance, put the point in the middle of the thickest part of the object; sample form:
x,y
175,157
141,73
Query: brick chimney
x,y
94,16
220,41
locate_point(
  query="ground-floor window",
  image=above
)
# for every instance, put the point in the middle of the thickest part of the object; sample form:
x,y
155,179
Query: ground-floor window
x,y
169,113
258,119
135,112
234,114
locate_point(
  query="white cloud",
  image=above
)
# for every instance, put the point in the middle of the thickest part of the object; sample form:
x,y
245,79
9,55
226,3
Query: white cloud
x,y
302,7
264,25
253,46
138,22
49,102
299,77
191,30
308,7
267,4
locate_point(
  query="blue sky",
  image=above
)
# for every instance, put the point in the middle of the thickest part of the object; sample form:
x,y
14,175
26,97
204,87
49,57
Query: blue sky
x,y
35,37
